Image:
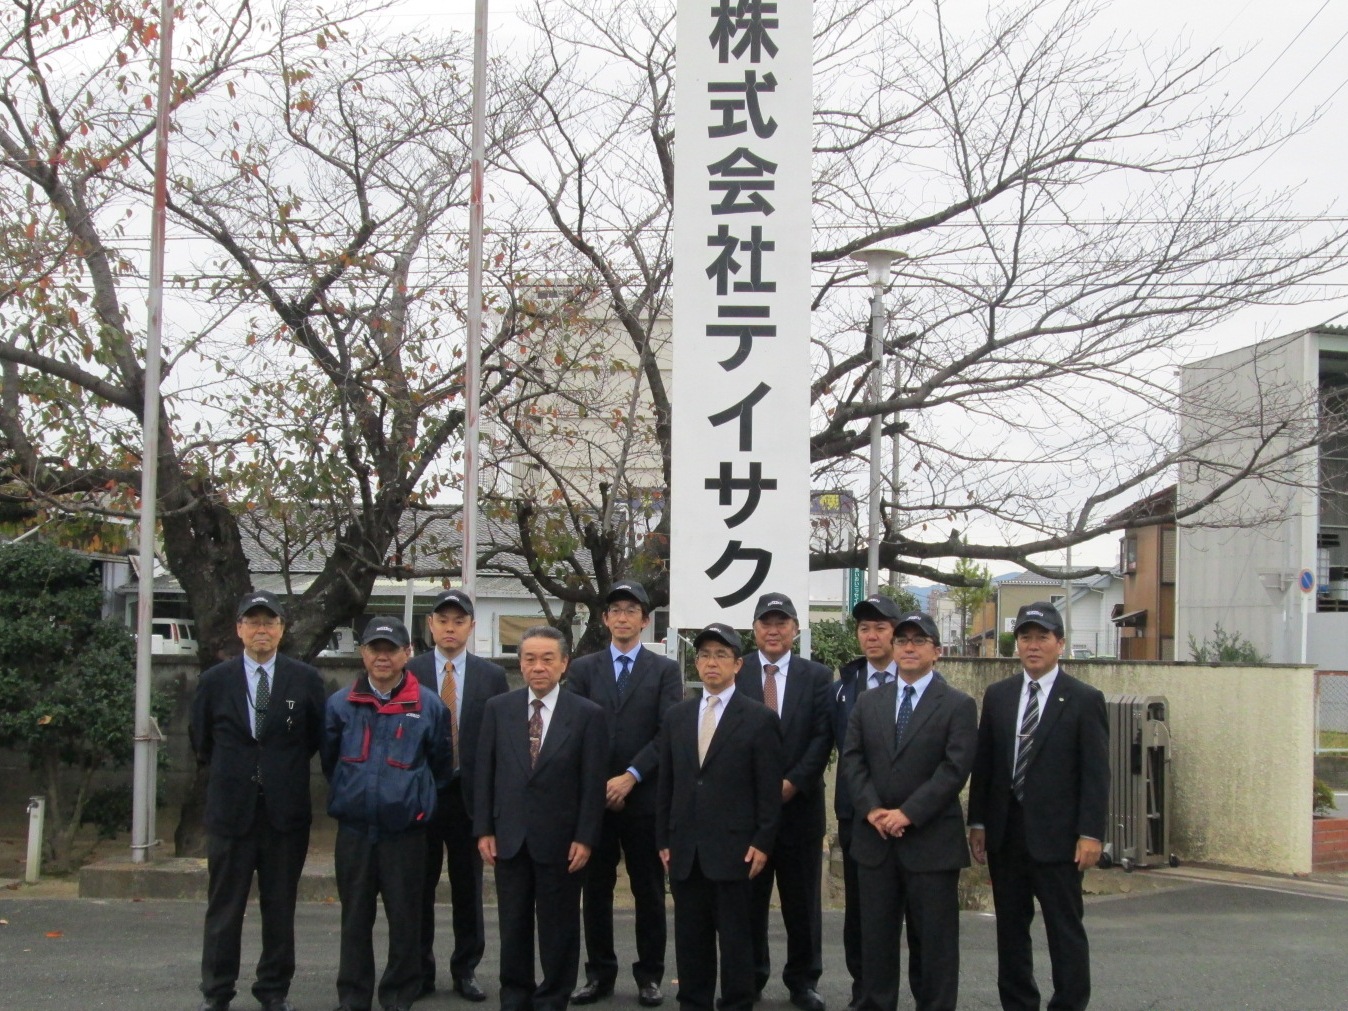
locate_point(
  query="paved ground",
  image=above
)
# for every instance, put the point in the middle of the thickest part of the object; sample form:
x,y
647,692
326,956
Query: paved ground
x,y
1206,942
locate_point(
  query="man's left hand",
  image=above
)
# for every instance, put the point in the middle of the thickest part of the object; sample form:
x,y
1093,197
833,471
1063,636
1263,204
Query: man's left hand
x,y
1088,853
578,857
615,795
788,790
757,860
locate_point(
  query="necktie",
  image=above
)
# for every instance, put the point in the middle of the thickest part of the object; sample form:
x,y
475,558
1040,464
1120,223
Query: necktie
x,y
261,701
905,713
707,729
624,675
881,678
770,687
449,695
535,733
1025,741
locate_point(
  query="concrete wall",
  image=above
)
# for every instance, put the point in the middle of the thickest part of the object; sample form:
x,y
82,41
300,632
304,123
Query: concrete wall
x,y
1243,753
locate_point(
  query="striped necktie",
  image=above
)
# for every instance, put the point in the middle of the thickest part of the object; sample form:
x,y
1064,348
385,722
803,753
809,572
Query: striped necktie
x,y
1025,742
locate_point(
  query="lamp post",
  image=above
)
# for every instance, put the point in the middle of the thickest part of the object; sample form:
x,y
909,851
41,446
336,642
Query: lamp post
x,y
877,260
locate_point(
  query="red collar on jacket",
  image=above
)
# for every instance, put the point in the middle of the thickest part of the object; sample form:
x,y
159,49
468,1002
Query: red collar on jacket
x,y
406,697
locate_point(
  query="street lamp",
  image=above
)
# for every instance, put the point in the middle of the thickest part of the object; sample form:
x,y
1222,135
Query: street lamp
x,y
877,260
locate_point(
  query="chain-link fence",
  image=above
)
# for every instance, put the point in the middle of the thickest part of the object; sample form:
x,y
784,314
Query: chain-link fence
x,y
1331,712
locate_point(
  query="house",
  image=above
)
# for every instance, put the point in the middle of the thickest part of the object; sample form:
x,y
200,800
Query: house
x,y
1146,618
1086,604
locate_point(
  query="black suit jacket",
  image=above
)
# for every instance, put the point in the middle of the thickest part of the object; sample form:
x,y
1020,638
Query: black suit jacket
x,y
717,809
482,680
278,762
807,737
655,685
923,776
1067,779
558,801
844,693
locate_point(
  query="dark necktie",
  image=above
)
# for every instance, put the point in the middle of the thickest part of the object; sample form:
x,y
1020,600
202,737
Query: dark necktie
x,y
624,676
881,678
1025,741
261,701
770,687
905,714
535,733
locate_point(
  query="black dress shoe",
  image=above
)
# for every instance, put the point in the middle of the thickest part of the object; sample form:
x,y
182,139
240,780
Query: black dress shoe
x,y
592,991
650,996
427,988
467,988
808,1000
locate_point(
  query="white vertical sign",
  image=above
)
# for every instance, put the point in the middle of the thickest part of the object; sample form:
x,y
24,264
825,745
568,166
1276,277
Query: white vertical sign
x,y
740,523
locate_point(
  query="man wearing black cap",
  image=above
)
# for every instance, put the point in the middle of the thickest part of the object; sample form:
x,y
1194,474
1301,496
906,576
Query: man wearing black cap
x,y
635,687
876,618
256,722
386,753
1037,810
798,690
906,758
719,802
463,682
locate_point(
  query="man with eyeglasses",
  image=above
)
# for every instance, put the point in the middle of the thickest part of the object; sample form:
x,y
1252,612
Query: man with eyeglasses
x,y
876,618
909,749
1037,811
719,800
256,722
798,691
635,687
464,682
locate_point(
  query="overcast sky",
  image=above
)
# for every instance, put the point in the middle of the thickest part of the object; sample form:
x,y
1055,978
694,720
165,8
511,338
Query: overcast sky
x,y
1292,55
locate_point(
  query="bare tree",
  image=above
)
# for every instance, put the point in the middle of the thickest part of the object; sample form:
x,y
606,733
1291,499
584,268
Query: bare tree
x,y
1070,212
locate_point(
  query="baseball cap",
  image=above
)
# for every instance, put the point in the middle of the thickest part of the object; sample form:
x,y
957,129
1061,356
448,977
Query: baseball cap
x,y
723,634
876,608
261,598
453,598
628,589
1040,613
389,629
923,621
770,602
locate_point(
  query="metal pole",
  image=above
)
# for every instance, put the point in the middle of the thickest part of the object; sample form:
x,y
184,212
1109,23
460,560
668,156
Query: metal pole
x,y
143,765
874,395
894,523
472,349
37,809
1067,604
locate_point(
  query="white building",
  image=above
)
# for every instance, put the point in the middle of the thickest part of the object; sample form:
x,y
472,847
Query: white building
x,y
1269,560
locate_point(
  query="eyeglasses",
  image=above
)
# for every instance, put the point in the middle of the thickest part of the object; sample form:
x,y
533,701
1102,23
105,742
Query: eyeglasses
x,y
723,654
917,640
271,622
634,612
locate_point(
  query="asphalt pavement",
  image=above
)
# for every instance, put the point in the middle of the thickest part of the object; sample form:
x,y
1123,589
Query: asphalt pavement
x,y
1194,944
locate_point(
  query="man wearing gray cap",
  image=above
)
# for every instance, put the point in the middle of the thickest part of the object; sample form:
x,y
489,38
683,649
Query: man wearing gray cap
x,y
716,816
909,748
386,752
256,721
798,691
464,682
1037,811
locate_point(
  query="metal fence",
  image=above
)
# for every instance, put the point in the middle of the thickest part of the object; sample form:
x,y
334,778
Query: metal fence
x,y
1331,712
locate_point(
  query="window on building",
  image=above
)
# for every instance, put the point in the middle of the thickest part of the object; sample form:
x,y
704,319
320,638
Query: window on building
x,y
1168,555
1128,554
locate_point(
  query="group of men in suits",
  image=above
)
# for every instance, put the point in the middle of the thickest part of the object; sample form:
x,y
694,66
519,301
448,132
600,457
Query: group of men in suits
x,y
1037,764
554,784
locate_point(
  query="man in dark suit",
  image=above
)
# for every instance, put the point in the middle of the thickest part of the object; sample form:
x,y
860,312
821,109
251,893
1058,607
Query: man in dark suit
x,y
798,690
635,687
1037,809
876,618
907,757
539,809
716,819
464,682
257,721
